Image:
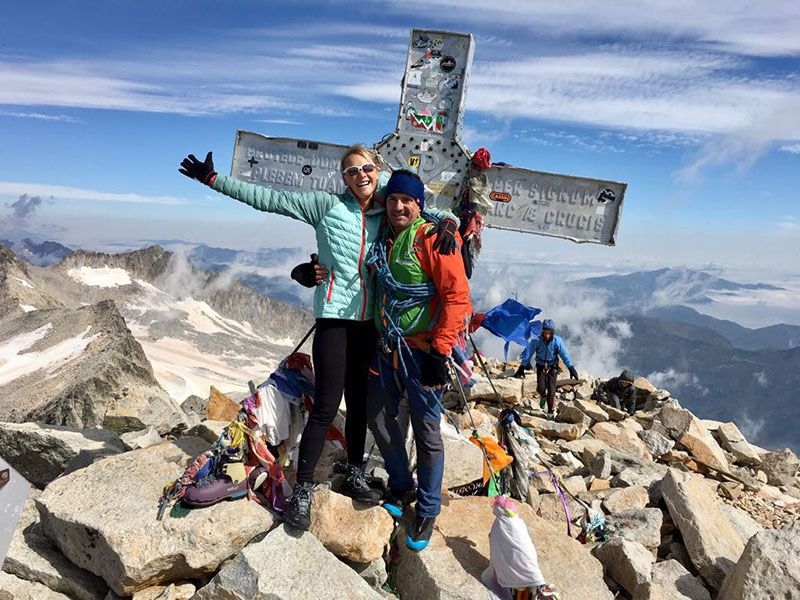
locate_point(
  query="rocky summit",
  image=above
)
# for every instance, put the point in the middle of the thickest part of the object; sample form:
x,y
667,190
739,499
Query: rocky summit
x,y
661,504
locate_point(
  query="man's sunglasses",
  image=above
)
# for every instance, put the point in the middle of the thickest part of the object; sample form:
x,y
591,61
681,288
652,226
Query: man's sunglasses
x,y
353,171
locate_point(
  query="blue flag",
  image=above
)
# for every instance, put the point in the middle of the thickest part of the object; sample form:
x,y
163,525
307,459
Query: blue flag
x,y
513,321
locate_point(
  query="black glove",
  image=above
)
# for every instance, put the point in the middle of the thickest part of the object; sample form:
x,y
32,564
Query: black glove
x,y
202,171
520,374
573,373
445,231
304,273
433,369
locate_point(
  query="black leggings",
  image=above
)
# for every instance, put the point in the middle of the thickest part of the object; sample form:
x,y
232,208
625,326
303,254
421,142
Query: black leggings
x,y
342,352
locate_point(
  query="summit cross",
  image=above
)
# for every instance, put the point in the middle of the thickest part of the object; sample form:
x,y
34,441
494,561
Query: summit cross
x,y
427,140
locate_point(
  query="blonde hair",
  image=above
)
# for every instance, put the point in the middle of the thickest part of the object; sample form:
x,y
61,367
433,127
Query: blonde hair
x,y
362,151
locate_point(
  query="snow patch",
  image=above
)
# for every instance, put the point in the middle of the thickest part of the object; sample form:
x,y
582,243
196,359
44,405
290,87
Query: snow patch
x,y
28,307
100,277
14,362
24,282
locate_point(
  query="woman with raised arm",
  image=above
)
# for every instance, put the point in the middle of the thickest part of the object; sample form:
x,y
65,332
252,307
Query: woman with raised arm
x,y
346,225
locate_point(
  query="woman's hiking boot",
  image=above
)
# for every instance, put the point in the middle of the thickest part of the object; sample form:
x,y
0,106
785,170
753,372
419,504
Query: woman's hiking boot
x,y
396,502
419,535
212,489
298,507
356,485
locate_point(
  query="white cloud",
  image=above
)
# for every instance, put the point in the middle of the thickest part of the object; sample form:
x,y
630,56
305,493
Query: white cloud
x,y
39,116
675,381
790,224
63,192
761,378
792,148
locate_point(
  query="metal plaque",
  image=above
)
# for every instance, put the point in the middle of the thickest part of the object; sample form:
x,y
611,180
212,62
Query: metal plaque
x,y
13,493
431,112
288,164
575,208
435,83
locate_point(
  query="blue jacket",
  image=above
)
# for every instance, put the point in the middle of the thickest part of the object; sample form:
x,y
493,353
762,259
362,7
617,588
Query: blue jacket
x,y
344,236
548,353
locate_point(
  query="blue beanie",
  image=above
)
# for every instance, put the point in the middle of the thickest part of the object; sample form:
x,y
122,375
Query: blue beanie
x,y
406,182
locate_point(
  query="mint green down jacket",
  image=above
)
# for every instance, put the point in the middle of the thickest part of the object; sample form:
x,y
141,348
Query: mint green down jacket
x,y
344,237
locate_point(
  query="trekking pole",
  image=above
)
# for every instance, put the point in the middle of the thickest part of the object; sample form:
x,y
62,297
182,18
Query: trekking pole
x,y
486,371
305,337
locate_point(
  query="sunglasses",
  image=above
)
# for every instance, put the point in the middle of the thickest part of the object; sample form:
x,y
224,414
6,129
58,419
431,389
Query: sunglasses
x,y
353,171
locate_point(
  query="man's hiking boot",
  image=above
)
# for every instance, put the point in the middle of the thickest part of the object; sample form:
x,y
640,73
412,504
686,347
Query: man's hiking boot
x,y
419,535
356,485
209,490
298,507
395,502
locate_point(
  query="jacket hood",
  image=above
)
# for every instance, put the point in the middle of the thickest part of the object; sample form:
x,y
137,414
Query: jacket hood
x,y
627,375
549,324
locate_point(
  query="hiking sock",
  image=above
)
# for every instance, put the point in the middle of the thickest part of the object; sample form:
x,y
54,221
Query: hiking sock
x,y
298,507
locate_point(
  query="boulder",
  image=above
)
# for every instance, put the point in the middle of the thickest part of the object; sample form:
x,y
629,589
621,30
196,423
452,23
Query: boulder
x,y
621,438
451,566
669,580
703,446
14,588
553,429
712,542
509,388
616,414
768,568
592,410
220,407
463,460
286,566
208,430
744,525
40,453
641,525
161,592
569,413
354,531
734,442
628,498
143,438
626,562
116,536
33,557
780,467
656,444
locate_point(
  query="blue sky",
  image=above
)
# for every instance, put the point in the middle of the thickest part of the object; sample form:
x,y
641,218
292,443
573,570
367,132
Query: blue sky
x,y
696,105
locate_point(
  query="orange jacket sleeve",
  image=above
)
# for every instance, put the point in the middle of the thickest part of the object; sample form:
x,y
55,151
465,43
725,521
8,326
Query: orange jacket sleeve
x,y
452,287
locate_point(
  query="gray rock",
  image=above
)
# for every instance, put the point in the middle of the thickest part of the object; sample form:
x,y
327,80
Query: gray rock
x,y
14,588
306,570
626,562
115,535
669,580
143,438
656,443
601,465
768,568
712,542
33,557
40,453
641,525
734,442
744,525
780,467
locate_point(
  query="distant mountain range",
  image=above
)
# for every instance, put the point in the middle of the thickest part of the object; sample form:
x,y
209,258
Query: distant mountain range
x,y
41,254
717,368
644,289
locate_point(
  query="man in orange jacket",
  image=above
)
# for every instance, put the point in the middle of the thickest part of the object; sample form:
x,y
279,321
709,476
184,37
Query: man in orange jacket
x,y
422,304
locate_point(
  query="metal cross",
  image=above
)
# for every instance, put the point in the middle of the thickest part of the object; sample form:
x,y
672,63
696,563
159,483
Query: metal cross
x,y
427,140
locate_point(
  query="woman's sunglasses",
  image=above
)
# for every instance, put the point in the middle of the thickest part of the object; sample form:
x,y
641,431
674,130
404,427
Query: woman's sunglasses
x,y
353,171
